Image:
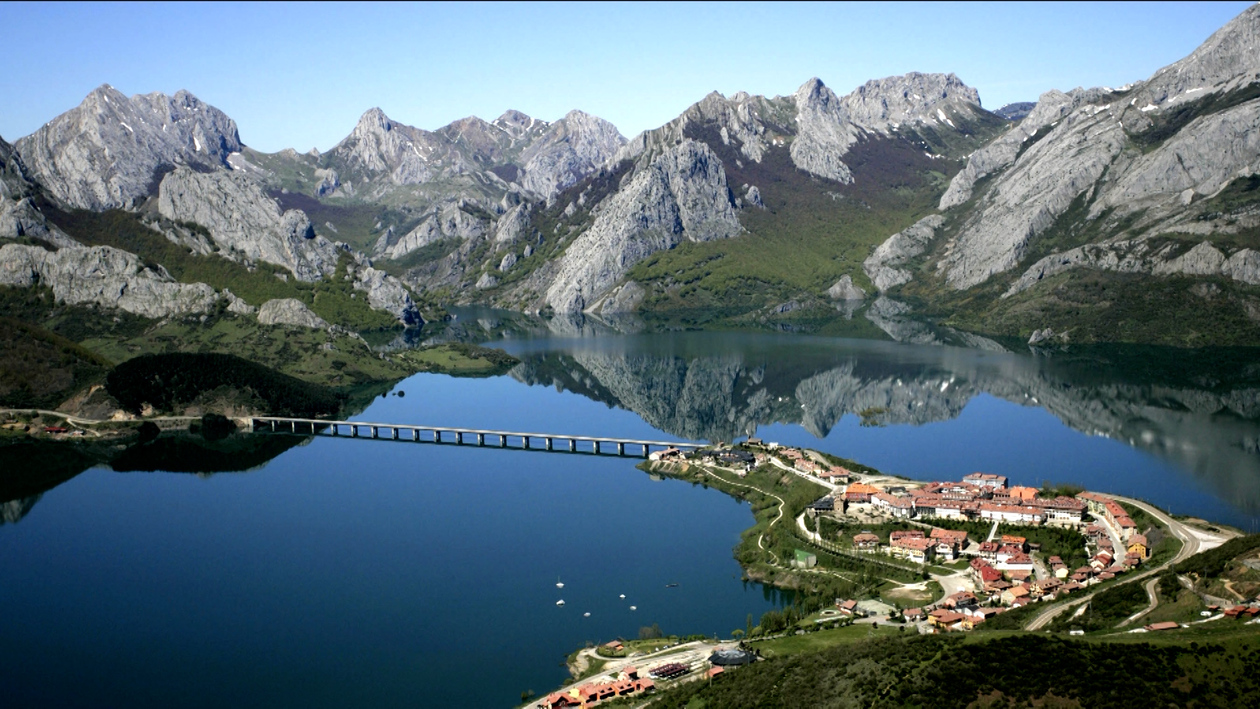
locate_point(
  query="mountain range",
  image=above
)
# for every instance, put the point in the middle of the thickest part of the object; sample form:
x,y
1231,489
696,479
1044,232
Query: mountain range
x,y
1126,214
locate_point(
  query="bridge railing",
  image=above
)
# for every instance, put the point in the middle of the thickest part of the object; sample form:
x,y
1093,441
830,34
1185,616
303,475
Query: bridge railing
x,y
412,432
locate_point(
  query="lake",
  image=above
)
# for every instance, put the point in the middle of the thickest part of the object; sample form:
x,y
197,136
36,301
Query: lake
x,y
349,572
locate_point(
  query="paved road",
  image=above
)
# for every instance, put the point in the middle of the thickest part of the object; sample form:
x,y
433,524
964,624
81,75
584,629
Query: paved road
x,y
1192,542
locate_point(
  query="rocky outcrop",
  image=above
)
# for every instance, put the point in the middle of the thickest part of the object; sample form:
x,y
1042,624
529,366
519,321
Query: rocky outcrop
x,y
106,277
1138,256
108,151
449,222
542,157
1002,151
289,311
19,217
823,132
570,149
245,223
1032,194
845,290
384,292
882,265
882,105
1201,159
1226,61
681,194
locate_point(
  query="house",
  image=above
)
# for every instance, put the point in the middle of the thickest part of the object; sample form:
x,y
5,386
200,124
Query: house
x,y
669,454
1006,551
1016,541
823,505
1014,593
804,560
1166,625
989,550
1022,493
959,600
865,541
900,534
943,619
614,646
916,549
893,505
956,538
986,480
806,466
850,607
1012,514
835,475
859,492
989,577
914,614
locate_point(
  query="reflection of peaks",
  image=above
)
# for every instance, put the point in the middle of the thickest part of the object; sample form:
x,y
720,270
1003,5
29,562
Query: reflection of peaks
x,y
13,511
722,397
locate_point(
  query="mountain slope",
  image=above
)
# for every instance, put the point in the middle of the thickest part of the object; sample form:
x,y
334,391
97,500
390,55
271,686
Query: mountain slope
x,y
1107,212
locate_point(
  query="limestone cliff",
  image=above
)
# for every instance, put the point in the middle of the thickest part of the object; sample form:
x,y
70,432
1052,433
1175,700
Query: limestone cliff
x,y
108,151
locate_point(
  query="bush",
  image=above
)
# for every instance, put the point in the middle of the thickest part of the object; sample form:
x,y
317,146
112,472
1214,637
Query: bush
x,y
171,381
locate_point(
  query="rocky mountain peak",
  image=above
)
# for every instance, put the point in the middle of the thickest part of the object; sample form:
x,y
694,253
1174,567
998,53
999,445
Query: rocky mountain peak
x,y
1227,60
106,151
517,124
814,94
882,104
373,121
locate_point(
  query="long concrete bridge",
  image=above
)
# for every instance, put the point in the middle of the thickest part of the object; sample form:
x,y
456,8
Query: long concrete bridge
x,y
555,442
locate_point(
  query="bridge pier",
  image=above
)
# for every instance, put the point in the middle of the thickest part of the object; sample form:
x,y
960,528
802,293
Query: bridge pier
x,y
596,447
525,442
394,433
549,443
437,436
481,439
375,432
415,434
502,441
621,449
459,437
572,445
354,431
334,429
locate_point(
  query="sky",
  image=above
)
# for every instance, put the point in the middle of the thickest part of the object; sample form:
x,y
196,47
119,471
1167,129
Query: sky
x,y
300,75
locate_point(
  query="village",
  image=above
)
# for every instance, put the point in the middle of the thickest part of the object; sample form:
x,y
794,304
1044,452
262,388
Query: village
x,y
917,523
985,546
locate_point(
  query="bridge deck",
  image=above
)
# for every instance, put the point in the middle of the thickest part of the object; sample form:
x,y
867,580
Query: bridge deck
x,y
438,430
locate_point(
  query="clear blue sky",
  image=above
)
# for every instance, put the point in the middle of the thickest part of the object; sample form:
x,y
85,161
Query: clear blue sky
x,y
295,75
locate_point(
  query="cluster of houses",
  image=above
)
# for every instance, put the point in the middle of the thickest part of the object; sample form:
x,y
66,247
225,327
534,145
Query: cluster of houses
x,y
626,683
979,496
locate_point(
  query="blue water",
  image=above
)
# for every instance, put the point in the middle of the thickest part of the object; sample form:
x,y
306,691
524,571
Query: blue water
x,y
357,572
352,572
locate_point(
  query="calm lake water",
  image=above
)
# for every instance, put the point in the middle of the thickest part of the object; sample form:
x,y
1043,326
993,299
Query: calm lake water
x,y
355,572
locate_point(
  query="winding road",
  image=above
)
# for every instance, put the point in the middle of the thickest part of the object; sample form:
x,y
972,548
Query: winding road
x,y
1192,542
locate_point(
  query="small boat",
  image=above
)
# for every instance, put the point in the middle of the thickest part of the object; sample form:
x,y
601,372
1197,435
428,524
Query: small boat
x,y
634,608
623,595
670,585
560,602
559,583
586,614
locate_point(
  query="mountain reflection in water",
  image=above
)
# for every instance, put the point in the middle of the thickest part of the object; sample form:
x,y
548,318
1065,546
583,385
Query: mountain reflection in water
x,y
1197,409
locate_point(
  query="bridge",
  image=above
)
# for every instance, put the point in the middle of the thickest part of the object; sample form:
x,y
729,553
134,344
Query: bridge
x,y
463,436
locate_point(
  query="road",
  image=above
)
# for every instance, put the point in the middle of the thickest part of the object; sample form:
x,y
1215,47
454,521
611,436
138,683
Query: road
x,y
80,421
1192,542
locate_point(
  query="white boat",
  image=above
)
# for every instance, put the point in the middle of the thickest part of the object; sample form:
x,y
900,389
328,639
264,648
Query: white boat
x,y
559,583
586,615
560,602
634,608
623,595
